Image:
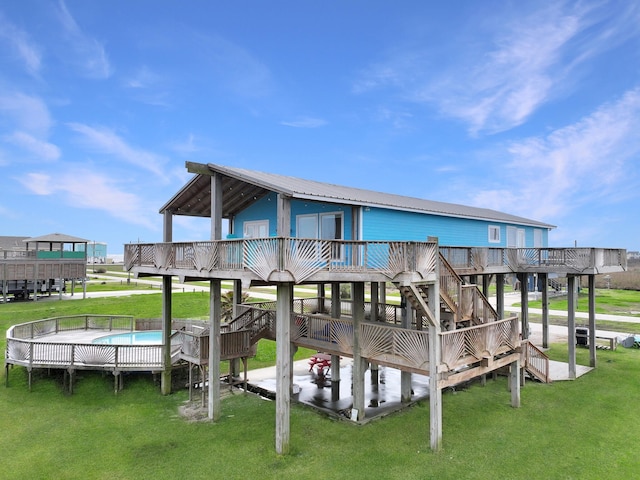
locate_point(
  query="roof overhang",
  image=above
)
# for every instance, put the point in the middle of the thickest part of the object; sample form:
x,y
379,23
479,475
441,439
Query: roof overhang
x,y
194,199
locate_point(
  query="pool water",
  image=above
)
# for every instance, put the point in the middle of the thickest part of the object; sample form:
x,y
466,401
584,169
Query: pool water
x,y
150,337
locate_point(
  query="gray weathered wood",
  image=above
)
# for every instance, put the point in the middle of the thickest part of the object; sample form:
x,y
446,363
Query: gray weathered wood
x,y
283,366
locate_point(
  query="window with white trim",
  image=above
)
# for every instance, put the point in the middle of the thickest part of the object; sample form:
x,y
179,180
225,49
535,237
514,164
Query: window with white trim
x,y
256,229
325,226
494,234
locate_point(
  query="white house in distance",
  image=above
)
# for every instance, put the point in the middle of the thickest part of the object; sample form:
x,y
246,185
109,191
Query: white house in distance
x,y
286,231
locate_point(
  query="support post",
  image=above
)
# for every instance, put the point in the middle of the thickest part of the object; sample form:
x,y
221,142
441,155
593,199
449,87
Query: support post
x,y
234,363
283,366
544,279
500,295
374,301
359,365
571,324
486,283
336,309
435,358
284,215
215,309
592,321
165,381
405,377
524,302
514,383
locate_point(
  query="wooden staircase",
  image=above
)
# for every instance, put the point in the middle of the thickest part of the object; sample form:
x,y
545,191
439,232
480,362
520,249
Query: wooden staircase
x,y
464,305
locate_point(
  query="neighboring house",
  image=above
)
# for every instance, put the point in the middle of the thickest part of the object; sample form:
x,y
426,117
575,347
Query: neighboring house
x,y
37,265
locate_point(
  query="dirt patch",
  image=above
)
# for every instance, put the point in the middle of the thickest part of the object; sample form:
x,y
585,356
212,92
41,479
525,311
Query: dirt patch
x,y
193,411
198,411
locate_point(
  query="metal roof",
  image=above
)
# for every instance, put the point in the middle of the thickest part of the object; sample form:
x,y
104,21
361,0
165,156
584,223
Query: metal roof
x,y
11,242
242,187
55,238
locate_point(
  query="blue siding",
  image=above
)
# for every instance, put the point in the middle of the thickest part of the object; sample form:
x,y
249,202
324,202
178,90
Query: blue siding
x,y
299,207
266,209
388,225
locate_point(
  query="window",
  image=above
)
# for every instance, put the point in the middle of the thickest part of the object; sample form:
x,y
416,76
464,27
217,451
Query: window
x,y
307,226
537,238
494,234
325,226
256,229
515,237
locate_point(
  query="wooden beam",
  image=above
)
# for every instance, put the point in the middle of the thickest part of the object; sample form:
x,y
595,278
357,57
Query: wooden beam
x,y
592,321
165,381
500,295
359,364
284,216
514,382
215,313
198,168
477,371
571,324
545,309
283,366
524,302
216,207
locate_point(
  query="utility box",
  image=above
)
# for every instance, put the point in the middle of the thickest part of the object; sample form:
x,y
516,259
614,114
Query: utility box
x,y
582,336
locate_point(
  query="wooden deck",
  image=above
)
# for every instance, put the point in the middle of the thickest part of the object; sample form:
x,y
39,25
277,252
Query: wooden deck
x,y
279,259
35,265
66,343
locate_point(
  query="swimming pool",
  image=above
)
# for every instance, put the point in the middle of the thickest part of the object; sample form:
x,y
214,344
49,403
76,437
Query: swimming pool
x,y
149,337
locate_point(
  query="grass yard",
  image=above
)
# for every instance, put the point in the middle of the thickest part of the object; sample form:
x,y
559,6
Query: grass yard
x,y
583,429
615,302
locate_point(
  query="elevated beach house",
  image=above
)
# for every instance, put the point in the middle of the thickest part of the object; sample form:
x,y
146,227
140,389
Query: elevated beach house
x,y
269,229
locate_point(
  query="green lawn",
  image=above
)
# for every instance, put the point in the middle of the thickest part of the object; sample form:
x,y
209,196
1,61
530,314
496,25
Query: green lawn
x,y
583,429
616,302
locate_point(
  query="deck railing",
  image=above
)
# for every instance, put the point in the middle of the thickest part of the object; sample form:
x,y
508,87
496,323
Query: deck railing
x,y
478,259
300,257
55,325
469,345
25,346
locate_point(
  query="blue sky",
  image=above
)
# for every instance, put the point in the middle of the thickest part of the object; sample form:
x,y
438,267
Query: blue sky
x,y
531,108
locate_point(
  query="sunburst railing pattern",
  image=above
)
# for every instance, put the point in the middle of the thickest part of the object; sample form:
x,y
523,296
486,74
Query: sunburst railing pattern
x,y
468,345
302,258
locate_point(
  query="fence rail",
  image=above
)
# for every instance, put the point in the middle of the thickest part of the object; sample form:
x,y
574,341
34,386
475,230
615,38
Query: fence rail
x,y
26,345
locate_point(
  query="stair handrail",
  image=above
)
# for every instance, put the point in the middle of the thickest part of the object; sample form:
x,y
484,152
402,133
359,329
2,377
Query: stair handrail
x,y
450,287
536,362
450,282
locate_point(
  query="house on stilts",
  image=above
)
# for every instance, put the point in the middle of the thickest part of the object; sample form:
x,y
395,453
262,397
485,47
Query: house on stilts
x,y
285,231
33,266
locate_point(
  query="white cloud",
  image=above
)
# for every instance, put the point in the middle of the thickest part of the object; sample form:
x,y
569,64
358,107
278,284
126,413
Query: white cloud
x,y
588,162
495,83
88,54
107,142
86,189
26,113
43,150
305,122
187,146
234,66
38,183
24,49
